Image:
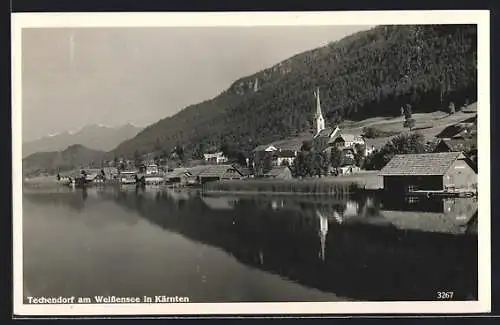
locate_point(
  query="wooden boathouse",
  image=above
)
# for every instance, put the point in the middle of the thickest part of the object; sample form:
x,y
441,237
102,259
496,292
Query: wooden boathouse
x,y
443,172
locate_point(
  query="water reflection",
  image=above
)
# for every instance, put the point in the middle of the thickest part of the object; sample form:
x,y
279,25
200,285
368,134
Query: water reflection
x,y
363,248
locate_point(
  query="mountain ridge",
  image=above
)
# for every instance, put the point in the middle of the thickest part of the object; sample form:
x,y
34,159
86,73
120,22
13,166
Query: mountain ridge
x,y
93,136
52,162
369,73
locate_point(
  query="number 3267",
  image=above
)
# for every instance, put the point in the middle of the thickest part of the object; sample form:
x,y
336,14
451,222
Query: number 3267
x,y
445,295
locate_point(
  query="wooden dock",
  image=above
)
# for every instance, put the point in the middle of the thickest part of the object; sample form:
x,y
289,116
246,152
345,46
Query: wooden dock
x,y
442,193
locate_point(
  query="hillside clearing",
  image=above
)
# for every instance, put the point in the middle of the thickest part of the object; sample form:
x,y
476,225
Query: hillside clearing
x,y
429,124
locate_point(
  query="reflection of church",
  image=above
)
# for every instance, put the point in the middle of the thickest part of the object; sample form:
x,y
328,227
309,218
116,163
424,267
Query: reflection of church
x,y
323,231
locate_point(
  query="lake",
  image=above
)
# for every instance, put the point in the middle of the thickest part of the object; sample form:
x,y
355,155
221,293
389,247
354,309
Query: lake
x,y
159,241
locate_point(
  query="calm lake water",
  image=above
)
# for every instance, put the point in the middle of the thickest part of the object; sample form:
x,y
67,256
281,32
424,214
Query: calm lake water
x,y
246,249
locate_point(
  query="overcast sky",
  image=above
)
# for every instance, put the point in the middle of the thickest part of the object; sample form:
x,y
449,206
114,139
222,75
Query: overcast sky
x,y
112,76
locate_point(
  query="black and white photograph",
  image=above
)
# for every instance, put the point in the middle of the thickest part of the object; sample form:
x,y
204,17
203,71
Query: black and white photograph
x,y
251,163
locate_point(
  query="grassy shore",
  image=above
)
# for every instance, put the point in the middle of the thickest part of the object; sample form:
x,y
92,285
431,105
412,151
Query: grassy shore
x,y
325,185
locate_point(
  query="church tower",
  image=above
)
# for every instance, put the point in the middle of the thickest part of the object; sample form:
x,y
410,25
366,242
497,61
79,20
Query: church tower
x,y
319,121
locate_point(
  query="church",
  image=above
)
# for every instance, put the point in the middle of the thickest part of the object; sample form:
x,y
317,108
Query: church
x,y
324,138
323,135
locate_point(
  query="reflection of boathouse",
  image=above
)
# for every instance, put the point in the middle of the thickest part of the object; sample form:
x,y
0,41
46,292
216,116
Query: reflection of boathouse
x,y
219,202
457,215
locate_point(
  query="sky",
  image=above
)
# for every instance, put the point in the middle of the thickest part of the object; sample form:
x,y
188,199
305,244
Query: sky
x,y
73,77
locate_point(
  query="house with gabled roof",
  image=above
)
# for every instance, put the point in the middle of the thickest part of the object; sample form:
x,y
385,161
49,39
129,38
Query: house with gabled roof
x,y
442,171
217,157
219,172
345,140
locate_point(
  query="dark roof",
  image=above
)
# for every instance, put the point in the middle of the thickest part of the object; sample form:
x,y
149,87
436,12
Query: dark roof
x,y
177,172
286,153
218,171
348,162
457,145
420,164
195,171
464,127
326,132
245,171
450,131
349,137
262,147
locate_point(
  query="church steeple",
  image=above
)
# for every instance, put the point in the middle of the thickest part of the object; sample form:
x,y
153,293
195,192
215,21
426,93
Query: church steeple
x,y
319,121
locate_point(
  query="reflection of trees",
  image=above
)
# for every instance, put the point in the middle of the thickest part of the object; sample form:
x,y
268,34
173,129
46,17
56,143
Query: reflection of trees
x,y
73,199
303,240
357,260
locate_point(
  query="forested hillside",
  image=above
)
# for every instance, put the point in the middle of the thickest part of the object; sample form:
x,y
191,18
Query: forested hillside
x,y
367,74
53,162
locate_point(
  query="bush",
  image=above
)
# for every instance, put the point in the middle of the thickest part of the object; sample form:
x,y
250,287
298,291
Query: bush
x,y
402,144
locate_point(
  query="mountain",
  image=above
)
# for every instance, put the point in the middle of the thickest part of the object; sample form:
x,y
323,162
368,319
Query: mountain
x,y
97,137
73,156
368,74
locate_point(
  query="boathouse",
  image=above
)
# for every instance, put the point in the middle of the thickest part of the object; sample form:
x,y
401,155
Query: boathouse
x,y
178,175
442,171
219,172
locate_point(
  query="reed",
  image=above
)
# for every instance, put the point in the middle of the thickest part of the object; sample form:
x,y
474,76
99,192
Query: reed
x,y
283,186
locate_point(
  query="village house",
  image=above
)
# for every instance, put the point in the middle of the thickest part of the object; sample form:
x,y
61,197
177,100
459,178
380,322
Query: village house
x,y
128,177
325,137
343,141
219,172
215,158
110,172
276,153
204,173
373,144
456,145
443,171
152,169
466,146
193,173
348,169
285,157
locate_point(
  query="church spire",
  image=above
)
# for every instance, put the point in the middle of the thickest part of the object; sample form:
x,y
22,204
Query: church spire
x,y
318,104
319,121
